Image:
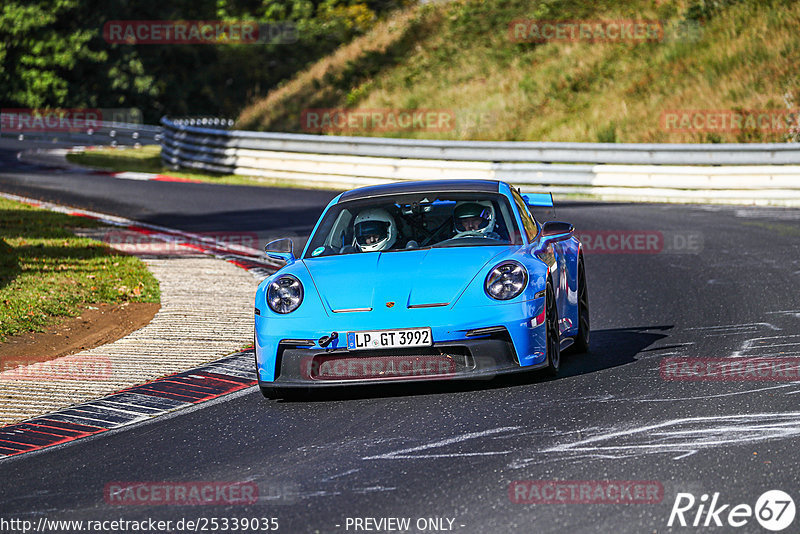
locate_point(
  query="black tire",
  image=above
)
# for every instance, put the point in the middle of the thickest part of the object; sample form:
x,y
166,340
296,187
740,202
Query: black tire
x,y
584,326
553,338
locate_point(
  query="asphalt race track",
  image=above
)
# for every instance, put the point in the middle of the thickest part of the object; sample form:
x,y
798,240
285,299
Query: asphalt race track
x,y
451,450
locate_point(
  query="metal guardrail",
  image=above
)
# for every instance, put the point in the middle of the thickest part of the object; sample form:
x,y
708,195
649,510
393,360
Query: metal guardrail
x,y
728,173
495,151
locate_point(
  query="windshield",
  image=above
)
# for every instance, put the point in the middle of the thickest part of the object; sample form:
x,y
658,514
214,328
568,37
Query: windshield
x,y
414,221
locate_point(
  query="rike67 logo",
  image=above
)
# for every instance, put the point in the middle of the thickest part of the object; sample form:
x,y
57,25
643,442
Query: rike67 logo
x,y
774,510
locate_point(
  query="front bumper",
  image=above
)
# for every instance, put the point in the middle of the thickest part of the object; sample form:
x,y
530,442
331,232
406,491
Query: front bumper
x,y
481,358
288,355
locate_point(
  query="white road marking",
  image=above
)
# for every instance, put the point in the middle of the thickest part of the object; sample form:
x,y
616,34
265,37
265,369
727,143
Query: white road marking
x,y
373,489
762,346
734,326
339,475
685,435
129,175
719,395
403,453
733,329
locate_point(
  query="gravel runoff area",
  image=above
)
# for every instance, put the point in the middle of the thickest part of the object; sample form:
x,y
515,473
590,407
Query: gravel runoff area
x,y
206,313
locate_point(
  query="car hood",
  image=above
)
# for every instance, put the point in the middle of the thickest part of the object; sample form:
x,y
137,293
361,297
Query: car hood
x,y
405,278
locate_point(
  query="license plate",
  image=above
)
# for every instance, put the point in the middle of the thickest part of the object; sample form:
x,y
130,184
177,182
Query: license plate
x,y
389,339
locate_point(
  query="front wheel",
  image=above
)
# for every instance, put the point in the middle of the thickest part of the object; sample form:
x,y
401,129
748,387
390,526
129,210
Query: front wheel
x,y
582,339
553,339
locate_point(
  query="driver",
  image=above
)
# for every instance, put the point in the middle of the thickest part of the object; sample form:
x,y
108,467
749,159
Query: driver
x,y
474,219
374,230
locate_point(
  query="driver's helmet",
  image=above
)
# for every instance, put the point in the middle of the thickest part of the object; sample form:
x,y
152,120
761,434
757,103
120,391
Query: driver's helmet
x,y
474,217
374,230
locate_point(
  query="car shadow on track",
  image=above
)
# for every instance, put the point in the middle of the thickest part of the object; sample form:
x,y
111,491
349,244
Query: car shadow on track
x,y
612,347
608,348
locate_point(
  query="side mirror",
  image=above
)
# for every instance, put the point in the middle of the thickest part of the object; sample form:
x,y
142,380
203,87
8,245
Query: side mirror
x,y
556,231
280,249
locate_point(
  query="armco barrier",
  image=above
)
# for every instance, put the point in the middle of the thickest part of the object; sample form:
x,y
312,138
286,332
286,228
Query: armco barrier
x,y
735,173
99,133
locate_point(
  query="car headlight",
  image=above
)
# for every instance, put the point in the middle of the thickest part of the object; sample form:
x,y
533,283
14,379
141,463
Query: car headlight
x,y
506,281
285,294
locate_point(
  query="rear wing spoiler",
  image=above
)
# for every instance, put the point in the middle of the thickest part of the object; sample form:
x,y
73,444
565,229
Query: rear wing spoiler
x,y
538,199
540,205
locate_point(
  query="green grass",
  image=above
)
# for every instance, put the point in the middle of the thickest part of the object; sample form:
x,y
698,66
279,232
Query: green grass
x,y
148,159
144,159
457,55
46,272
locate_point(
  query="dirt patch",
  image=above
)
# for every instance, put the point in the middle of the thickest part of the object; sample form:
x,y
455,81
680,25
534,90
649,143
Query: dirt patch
x,y
97,325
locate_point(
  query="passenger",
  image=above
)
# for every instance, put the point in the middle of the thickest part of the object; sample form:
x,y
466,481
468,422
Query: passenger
x,y
474,219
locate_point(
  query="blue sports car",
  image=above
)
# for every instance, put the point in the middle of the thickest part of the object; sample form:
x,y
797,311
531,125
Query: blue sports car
x,y
424,280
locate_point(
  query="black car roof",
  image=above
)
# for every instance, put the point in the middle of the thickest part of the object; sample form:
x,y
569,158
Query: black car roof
x,y
487,186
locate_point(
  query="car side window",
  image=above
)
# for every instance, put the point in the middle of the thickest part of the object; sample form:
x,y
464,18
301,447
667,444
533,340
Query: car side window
x,y
341,233
527,220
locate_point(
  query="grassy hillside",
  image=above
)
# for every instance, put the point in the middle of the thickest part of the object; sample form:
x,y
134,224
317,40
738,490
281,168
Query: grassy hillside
x,y
458,56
